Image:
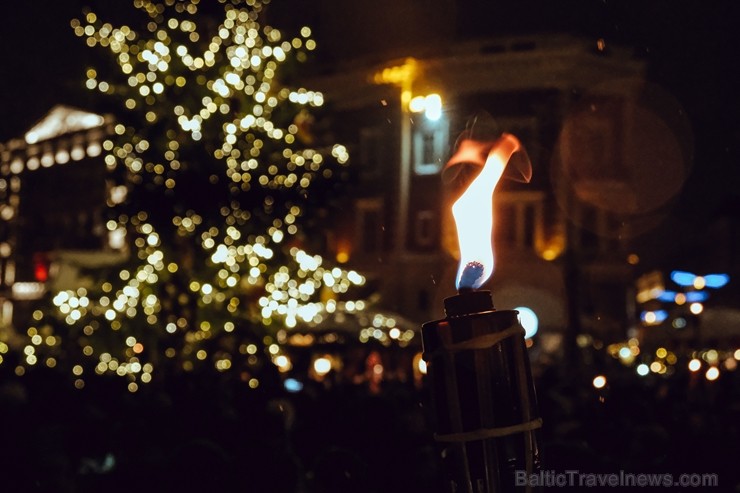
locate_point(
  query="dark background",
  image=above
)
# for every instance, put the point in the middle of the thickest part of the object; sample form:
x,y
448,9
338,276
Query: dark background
x,y
691,47
692,52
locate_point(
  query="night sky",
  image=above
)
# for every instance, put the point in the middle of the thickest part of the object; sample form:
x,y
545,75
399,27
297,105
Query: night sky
x,y
691,47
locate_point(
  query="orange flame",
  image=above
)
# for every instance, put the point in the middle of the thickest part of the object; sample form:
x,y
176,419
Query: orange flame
x,y
473,211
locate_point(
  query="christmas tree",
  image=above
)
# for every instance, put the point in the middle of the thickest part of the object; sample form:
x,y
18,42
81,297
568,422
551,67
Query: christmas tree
x,y
217,179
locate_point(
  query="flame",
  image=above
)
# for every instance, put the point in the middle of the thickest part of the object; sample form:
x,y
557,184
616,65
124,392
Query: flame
x,y
473,211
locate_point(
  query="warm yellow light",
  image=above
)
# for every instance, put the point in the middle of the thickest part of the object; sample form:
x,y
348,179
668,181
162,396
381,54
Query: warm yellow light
x,y
401,74
661,352
711,356
699,282
551,253
737,354
712,373
599,382
283,363
680,298
342,257
422,365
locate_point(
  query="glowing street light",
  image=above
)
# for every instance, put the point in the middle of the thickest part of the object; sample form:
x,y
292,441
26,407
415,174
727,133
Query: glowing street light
x,y
403,76
431,105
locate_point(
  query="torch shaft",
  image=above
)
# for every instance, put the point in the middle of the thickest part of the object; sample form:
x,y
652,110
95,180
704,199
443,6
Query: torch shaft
x,y
484,401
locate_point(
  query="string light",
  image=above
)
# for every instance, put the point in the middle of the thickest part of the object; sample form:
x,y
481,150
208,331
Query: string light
x,y
208,179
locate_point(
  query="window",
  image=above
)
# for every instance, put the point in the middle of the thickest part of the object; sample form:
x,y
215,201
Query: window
x,y
429,146
61,208
425,229
589,229
369,226
373,152
519,219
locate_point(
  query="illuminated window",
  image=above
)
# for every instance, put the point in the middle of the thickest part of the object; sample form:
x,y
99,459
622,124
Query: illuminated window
x,y
429,146
7,272
6,313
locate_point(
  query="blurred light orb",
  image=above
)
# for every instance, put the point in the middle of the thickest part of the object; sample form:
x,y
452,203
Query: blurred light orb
x,y
417,104
694,365
650,168
322,366
292,385
696,308
283,363
528,320
643,369
433,107
599,382
711,356
699,282
712,373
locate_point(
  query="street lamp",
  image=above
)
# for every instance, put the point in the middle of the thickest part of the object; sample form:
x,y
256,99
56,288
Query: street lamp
x,y
431,105
403,76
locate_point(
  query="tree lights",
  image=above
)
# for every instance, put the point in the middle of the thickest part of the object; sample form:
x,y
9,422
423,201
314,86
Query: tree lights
x,y
213,166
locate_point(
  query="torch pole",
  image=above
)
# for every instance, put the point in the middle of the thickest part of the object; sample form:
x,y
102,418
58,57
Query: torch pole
x,y
484,403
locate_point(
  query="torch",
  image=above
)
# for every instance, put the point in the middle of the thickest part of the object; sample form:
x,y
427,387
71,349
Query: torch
x,y
483,395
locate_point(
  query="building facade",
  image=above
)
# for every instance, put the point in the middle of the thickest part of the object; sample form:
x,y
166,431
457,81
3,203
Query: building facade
x,y
53,195
561,244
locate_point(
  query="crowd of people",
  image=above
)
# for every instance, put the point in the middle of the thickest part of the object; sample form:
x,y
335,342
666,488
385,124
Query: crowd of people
x,y
211,432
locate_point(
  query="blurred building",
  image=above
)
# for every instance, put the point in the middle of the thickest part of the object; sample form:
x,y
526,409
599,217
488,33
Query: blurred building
x,y
53,195
562,242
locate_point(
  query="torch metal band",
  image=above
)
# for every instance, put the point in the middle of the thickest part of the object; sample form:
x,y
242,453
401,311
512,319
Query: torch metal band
x,y
481,342
485,433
